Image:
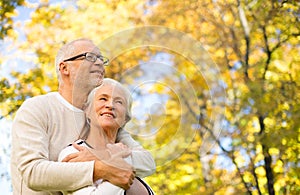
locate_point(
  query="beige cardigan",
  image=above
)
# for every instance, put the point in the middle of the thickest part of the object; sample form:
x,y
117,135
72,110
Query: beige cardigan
x,y
43,126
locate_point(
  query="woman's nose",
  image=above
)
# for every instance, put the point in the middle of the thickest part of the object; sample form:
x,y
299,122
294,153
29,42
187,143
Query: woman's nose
x,y
109,104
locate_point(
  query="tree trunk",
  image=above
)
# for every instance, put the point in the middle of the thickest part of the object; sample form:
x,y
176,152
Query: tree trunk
x,y
267,159
269,173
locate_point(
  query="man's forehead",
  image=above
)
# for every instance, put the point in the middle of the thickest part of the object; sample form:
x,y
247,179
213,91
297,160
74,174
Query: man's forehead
x,y
86,46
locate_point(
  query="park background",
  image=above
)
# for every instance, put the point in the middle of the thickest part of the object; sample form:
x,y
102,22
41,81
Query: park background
x,y
252,147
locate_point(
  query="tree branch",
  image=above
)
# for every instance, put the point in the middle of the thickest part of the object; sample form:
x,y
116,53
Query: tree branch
x,y
246,29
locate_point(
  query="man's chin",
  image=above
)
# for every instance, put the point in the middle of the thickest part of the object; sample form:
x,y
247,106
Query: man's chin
x,y
97,82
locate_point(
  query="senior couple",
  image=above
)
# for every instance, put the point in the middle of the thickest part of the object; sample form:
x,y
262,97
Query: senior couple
x,y
89,112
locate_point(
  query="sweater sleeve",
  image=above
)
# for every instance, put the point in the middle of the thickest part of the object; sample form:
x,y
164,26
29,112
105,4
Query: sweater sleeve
x,y
30,152
142,160
65,152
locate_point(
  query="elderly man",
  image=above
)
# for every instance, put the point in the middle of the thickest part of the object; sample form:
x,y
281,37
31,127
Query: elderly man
x,y
45,124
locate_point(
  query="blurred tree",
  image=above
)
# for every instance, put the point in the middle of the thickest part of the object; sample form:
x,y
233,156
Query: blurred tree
x,y
7,11
256,46
76,19
248,40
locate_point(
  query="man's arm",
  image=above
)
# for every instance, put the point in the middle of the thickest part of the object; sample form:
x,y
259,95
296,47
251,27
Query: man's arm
x,y
30,157
111,168
30,154
142,160
120,177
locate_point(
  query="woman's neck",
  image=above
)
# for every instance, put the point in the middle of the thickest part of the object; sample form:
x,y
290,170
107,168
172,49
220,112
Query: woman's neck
x,y
98,138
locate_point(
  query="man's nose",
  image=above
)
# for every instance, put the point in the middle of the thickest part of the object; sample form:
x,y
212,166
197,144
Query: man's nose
x,y
99,62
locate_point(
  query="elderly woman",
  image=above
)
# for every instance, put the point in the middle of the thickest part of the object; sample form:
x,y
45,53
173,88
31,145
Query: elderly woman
x,y
108,109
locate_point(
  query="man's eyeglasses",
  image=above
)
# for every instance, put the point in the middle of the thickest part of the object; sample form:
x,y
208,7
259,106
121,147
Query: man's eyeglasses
x,y
90,57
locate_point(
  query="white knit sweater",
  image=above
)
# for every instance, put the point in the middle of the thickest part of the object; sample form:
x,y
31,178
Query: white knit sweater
x,y
43,126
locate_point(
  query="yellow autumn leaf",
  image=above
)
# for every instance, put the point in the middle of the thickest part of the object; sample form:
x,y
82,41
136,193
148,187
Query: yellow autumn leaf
x,y
248,177
260,171
274,151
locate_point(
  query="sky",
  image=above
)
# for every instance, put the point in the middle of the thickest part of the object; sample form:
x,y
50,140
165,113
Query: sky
x,y
11,55
14,58
5,185
11,62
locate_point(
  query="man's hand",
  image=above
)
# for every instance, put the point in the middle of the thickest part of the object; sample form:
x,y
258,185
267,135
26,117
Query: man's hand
x,y
108,167
115,169
122,177
82,156
118,150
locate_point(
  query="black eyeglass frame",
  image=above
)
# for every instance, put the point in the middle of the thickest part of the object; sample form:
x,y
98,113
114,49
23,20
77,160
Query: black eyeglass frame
x,y
104,59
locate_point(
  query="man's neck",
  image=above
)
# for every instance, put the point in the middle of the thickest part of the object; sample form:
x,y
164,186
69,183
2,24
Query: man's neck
x,y
75,97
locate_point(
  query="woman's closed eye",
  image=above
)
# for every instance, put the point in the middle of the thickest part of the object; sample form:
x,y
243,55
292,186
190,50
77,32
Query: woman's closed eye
x,y
103,99
119,101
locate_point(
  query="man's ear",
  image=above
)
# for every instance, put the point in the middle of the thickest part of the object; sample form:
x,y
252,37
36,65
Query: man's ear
x,y
64,68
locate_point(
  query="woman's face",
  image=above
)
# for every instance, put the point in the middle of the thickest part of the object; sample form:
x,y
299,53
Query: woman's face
x,y
110,106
